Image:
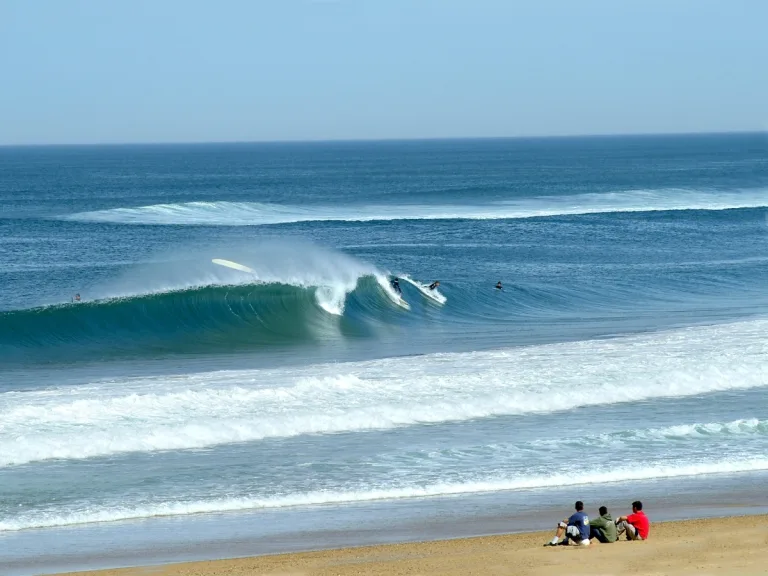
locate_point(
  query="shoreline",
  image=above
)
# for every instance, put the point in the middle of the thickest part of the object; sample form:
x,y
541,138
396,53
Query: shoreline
x,y
163,541
733,543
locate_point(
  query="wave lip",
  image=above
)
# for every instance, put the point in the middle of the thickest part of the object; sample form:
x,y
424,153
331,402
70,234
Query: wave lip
x,y
285,293
204,319
40,519
257,214
210,409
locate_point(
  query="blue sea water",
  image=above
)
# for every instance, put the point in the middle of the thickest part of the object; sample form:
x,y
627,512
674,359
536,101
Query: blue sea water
x,y
627,346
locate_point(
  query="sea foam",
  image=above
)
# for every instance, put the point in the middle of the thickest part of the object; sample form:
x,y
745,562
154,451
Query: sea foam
x,y
213,408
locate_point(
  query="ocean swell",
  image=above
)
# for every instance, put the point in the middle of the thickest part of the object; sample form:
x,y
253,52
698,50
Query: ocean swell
x,y
222,213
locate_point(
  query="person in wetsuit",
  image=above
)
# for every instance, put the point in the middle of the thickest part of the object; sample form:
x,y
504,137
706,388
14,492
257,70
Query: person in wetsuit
x,y
498,285
434,284
396,285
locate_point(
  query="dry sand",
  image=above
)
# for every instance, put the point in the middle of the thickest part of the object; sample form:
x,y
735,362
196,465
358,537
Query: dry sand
x,y
735,545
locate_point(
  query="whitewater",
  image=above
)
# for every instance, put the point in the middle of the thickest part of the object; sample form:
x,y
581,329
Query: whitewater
x,y
255,214
209,409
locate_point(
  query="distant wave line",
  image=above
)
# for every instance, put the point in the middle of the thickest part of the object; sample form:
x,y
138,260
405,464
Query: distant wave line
x,y
223,213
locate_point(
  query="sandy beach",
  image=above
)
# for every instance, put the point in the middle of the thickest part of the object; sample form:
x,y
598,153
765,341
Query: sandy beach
x,y
734,545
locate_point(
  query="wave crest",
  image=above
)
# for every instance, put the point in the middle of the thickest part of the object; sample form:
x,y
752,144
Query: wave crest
x,y
290,293
258,214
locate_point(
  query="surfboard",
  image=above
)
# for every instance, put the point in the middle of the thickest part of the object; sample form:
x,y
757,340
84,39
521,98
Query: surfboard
x,y
403,304
433,295
233,265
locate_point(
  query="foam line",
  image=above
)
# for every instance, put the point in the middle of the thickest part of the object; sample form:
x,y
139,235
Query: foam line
x,y
42,519
209,409
254,214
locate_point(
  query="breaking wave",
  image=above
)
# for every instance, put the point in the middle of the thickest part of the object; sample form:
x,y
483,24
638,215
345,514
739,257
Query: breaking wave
x,y
256,214
214,408
293,293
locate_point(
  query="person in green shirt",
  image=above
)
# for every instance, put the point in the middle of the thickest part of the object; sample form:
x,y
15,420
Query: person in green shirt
x,y
603,528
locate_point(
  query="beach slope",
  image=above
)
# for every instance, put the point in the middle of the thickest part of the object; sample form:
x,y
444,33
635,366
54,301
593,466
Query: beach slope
x,y
734,545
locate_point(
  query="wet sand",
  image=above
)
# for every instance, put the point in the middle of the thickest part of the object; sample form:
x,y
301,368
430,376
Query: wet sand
x,y
733,545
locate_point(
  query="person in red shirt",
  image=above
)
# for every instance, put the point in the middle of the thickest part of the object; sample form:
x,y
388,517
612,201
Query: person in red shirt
x,y
636,525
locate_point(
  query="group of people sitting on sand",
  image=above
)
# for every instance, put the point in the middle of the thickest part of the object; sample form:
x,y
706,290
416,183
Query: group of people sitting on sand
x,y
580,530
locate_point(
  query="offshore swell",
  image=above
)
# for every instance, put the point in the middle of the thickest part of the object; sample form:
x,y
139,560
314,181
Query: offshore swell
x,y
626,346
249,213
252,314
302,294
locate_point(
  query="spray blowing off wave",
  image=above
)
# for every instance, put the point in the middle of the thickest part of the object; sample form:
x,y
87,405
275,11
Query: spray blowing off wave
x,y
291,294
255,213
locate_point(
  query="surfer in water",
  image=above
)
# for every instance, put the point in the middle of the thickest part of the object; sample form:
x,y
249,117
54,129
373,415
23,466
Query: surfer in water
x,y
498,285
76,298
396,285
434,285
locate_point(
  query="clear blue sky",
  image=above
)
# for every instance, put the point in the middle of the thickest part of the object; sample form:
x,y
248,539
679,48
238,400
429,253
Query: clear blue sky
x,y
88,71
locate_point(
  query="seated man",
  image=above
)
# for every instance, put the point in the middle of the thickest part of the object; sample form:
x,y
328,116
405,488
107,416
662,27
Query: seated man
x,y
603,528
575,528
636,525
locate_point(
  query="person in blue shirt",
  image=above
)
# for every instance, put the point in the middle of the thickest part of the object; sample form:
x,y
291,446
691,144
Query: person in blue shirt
x,y
575,529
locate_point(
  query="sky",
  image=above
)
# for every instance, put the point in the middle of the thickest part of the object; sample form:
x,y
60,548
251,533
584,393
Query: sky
x,y
123,71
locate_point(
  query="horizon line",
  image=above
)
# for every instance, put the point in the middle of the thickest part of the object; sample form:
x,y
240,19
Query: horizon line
x,y
381,140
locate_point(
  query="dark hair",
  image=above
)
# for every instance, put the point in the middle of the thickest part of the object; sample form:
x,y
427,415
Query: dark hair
x,y
579,506
603,510
637,505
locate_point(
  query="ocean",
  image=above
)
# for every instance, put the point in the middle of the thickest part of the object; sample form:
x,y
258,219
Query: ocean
x,y
181,404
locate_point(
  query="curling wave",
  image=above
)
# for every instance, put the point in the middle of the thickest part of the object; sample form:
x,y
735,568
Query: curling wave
x,y
201,319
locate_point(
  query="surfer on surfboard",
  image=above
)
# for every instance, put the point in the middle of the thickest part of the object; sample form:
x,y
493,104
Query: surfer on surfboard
x,y
498,285
396,285
434,285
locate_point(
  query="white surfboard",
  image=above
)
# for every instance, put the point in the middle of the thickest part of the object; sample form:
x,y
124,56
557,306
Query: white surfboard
x,y
433,295
233,265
